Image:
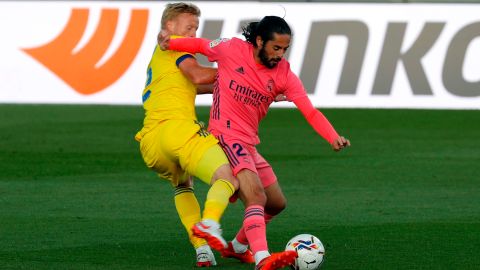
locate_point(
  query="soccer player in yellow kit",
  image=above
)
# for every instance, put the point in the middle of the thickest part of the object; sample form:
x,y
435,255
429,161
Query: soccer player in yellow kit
x,y
175,145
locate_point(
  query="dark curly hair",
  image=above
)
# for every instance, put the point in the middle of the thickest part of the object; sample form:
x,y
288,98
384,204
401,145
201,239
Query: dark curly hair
x,y
265,29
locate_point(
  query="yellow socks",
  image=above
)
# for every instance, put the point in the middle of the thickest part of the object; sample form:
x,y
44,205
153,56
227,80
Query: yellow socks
x,y
217,199
189,212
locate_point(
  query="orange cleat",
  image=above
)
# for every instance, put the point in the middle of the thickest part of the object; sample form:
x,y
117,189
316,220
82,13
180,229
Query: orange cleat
x,y
277,260
245,257
211,232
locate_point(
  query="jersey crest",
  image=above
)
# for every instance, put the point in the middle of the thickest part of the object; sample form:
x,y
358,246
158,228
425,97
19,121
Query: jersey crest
x,y
270,85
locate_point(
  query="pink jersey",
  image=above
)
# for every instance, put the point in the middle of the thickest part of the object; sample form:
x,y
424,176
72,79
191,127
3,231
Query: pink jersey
x,y
244,89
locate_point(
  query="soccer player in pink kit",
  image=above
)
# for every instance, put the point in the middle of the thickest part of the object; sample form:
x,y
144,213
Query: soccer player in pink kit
x,y
251,74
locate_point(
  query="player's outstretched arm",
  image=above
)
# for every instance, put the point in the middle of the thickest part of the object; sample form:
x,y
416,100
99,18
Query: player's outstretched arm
x,y
187,44
321,124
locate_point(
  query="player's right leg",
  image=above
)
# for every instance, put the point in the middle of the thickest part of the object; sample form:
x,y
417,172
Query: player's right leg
x,y
255,227
203,157
277,260
254,198
215,205
253,195
276,202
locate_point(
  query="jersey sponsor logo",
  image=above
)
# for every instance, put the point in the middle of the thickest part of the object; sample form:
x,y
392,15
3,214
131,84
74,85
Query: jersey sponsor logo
x,y
80,69
248,95
217,41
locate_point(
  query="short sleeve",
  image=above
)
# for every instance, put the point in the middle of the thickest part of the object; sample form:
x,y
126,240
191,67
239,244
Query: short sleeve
x,y
182,57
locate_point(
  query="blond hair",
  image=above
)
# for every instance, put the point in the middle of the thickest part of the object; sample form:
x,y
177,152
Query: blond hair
x,y
172,10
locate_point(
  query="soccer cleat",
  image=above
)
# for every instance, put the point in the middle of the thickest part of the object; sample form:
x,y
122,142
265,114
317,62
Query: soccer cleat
x,y
277,260
205,257
211,232
245,257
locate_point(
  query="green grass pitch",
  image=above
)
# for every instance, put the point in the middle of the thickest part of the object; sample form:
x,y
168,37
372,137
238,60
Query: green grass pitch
x,y
75,194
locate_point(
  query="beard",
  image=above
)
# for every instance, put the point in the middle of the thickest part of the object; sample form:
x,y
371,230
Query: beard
x,y
268,62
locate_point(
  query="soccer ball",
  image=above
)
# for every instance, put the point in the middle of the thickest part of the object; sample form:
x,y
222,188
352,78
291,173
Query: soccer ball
x,y
310,252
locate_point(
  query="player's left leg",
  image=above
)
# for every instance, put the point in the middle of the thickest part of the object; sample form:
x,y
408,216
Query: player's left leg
x,y
217,197
188,210
276,201
205,257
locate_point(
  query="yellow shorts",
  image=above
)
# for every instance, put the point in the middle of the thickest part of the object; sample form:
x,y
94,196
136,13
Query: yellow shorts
x,y
176,149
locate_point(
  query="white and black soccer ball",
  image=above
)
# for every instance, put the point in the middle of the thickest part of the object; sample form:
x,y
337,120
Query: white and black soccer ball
x,y
310,252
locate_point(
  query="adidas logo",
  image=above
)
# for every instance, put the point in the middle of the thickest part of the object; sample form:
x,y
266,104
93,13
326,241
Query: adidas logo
x,y
240,70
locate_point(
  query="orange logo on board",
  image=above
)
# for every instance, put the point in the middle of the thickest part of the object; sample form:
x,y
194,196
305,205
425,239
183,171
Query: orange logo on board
x,y
79,69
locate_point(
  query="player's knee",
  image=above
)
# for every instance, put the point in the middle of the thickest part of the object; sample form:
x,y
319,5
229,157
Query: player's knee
x,y
234,182
251,188
253,196
260,196
225,172
276,208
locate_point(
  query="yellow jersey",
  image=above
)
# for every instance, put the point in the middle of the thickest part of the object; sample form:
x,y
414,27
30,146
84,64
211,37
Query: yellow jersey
x,y
168,94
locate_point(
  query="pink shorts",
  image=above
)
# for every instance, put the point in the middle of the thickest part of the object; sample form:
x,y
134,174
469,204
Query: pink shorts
x,y
245,156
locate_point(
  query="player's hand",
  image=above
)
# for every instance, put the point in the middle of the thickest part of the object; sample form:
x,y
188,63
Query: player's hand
x,y
163,40
340,143
280,97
